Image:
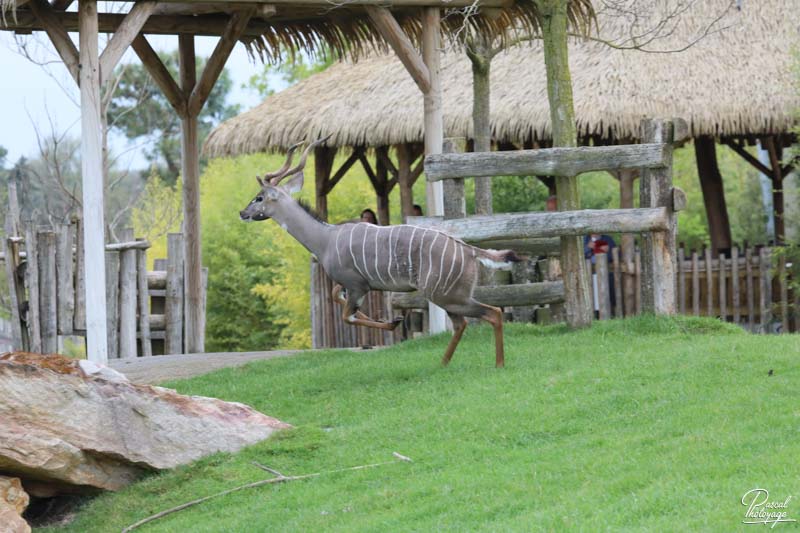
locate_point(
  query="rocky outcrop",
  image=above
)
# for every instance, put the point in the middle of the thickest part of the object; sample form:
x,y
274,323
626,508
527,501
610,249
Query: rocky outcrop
x,y
13,502
71,426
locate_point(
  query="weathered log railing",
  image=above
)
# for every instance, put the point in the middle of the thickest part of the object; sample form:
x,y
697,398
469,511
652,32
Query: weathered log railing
x,y
146,310
655,219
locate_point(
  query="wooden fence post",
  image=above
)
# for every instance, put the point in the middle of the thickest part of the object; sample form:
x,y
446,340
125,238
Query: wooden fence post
x,y
735,284
48,310
144,308
173,339
79,320
16,292
658,248
765,270
65,274
454,202
112,303
127,298
32,283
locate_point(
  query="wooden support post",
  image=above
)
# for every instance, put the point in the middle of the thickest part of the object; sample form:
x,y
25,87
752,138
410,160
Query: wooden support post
x,y
627,241
382,182
112,302
404,160
323,165
66,279
79,320
776,175
48,308
173,311
434,127
190,164
618,313
144,308
127,298
92,179
453,189
719,227
658,248
387,26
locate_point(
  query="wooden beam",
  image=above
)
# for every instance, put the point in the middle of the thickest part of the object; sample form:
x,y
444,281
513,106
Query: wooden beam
x,y
744,154
216,62
383,155
546,162
92,185
370,173
394,3
160,74
208,8
123,37
355,156
200,25
58,35
58,5
546,292
390,30
554,224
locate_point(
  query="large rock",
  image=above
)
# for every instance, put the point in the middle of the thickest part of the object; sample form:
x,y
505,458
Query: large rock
x,y
13,502
76,427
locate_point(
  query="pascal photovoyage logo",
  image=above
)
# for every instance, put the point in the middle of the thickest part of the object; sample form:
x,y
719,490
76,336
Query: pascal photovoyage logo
x,y
762,510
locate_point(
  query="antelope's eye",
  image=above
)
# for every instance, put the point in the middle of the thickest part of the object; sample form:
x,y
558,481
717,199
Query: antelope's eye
x,y
259,198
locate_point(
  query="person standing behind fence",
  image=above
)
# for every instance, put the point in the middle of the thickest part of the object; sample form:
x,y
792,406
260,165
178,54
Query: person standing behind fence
x,y
368,215
594,245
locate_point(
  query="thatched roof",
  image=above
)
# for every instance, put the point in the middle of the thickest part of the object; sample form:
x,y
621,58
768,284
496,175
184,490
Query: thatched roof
x,y
314,26
739,79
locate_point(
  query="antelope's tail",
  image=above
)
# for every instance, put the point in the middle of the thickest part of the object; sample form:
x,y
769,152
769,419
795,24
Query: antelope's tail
x,y
498,258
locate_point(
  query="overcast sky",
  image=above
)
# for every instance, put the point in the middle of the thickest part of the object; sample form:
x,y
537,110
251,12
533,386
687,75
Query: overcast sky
x,y
28,93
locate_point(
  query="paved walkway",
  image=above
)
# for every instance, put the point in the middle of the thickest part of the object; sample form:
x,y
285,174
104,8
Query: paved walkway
x,y
165,367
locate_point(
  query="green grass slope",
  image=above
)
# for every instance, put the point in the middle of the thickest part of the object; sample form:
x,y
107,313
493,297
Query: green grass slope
x,y
643,424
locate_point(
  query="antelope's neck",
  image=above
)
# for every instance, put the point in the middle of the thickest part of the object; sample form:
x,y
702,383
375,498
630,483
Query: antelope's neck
x,y
306,229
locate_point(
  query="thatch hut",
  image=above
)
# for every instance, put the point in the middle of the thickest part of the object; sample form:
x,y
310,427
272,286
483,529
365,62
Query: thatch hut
x,y
735,84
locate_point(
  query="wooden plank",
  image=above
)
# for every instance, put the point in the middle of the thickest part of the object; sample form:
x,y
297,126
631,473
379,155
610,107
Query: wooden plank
x,y
723,287
48,307
79,323
554,224
157,279
140,244
618,312
735,296
709,281
92,185
638,294
603,292
681,282
112,304
174,297
143,303
65,274
127,298
262,11
32,284
122,38
546,292
547,161
12,260
390,30
695,284
765,273
51,23
751,319
215,64
658,248
160,74
317,325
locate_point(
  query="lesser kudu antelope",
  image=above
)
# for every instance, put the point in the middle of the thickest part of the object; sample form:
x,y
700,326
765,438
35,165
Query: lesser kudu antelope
x,y
360,257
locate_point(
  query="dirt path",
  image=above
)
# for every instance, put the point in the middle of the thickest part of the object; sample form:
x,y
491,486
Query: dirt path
x,y
166,367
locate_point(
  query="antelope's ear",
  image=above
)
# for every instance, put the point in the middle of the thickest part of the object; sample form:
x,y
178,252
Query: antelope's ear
x,y
295,183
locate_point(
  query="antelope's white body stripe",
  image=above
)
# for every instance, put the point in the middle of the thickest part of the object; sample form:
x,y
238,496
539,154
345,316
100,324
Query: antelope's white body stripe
x,y
391,256
419,265
430,260
338,250
377,270
410,268
441,266
352,255
460,271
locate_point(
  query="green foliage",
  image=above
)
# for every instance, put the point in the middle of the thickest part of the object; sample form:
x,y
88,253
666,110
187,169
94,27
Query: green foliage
x,y
158,211
140,111
614,427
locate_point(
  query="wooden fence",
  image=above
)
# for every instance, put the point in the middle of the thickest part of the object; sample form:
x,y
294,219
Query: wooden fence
x,y
46,277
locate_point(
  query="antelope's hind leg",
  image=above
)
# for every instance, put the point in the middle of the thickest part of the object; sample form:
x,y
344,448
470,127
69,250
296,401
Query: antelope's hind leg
x,y
459,325
353,316
493,315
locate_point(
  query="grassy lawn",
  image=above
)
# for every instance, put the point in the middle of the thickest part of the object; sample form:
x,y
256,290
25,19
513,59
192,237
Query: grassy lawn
x,y
641,424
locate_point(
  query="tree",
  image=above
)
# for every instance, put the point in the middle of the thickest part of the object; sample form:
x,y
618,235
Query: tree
x,y
140,111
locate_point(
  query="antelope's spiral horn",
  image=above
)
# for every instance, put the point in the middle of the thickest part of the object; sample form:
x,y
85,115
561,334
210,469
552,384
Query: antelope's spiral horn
x,y
302,163
289,155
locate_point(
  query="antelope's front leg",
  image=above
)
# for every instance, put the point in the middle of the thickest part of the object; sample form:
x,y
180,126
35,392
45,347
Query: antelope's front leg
x,y
353,316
